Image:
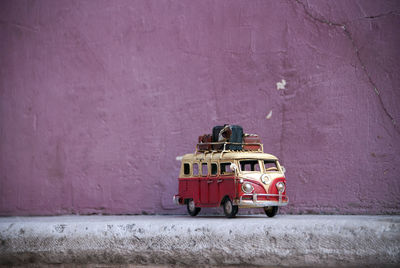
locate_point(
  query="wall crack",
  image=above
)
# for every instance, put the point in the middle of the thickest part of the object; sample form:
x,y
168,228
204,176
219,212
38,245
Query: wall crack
x,y
396,13
344,27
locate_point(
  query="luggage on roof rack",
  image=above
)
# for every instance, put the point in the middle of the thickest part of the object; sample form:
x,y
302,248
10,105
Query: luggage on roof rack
x,y
251,142
228,133
205,142
237,137
229,138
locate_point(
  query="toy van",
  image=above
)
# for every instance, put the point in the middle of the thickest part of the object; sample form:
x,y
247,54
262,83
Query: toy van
x,y
242,178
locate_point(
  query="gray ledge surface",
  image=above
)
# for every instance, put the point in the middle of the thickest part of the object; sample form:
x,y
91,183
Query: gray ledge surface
x,y
285,240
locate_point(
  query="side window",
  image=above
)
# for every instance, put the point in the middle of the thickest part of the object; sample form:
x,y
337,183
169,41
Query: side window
x,y
204,169
195,169
225,168
214,169
186,169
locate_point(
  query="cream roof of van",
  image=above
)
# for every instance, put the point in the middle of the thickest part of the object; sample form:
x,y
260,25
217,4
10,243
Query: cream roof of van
x,y
228,155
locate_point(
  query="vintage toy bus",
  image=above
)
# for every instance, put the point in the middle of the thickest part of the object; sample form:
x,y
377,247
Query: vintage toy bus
x,y
233,179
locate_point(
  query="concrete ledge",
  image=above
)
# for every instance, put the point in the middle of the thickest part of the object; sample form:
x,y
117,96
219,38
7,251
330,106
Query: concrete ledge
x,y
285,240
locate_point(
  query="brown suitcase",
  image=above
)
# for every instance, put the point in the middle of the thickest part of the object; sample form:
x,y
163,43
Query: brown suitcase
x,y
206,138
253,142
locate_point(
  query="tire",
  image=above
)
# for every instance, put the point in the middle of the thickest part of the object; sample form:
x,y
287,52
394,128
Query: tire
x,y
230,210
192,210
271,211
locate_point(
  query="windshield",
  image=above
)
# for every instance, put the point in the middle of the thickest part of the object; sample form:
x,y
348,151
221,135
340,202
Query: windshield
x,y
270,165
254,165
249,165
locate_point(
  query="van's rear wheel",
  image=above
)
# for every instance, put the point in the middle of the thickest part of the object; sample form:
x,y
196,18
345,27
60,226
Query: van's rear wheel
x,y
230,210
271,211
192,209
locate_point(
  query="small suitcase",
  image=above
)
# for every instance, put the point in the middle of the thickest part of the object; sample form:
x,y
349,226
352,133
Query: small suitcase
x,y
251,142
237,137
206,138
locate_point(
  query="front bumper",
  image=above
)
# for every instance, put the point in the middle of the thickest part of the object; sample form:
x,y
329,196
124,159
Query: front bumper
x,y
283,200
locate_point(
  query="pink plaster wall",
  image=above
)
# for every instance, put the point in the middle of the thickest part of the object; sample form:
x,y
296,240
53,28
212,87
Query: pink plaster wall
x,y
97,98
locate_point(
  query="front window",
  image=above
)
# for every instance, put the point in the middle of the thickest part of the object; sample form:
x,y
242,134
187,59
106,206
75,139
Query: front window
x,y
249,165
270,165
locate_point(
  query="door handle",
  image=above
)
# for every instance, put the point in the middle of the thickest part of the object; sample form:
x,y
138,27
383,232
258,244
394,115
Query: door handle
x,y
219,181
209,181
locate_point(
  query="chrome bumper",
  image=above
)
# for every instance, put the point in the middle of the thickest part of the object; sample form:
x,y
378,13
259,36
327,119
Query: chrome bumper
x,y
254,202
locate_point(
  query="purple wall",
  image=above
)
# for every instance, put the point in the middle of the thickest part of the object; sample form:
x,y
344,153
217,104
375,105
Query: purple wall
x,y
97,98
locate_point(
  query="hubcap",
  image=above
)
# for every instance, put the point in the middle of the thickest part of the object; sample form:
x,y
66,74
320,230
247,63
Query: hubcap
x,y
191,205
228,207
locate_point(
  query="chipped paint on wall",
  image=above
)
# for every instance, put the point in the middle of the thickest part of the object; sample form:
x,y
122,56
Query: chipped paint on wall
x,y
281,84
269,115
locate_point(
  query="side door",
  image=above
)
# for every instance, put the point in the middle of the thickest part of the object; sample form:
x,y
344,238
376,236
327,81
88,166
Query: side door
x,y
213,185
226,180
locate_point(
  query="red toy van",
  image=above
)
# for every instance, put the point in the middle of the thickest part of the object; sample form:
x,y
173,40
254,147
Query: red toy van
x,y
247,178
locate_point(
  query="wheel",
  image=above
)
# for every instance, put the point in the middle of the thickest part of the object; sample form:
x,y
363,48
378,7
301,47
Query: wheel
x,y
230,210
192,209
271,211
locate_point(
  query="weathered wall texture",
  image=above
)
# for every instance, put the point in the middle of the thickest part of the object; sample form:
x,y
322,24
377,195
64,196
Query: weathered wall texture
x,y
97,98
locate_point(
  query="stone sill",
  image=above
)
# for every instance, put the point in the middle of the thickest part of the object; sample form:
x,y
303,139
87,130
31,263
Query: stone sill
x,y
285,240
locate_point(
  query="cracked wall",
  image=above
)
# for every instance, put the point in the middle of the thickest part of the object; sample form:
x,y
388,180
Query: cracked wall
x,y
98,98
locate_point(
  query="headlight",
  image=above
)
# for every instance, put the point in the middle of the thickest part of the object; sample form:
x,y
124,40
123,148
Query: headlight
x,y
247,188
280,186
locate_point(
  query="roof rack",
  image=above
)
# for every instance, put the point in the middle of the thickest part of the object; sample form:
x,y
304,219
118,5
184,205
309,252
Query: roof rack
x,y
223,146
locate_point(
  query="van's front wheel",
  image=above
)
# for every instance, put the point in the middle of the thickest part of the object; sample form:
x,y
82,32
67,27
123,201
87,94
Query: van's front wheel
x,y
230,210
192,209
271,211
